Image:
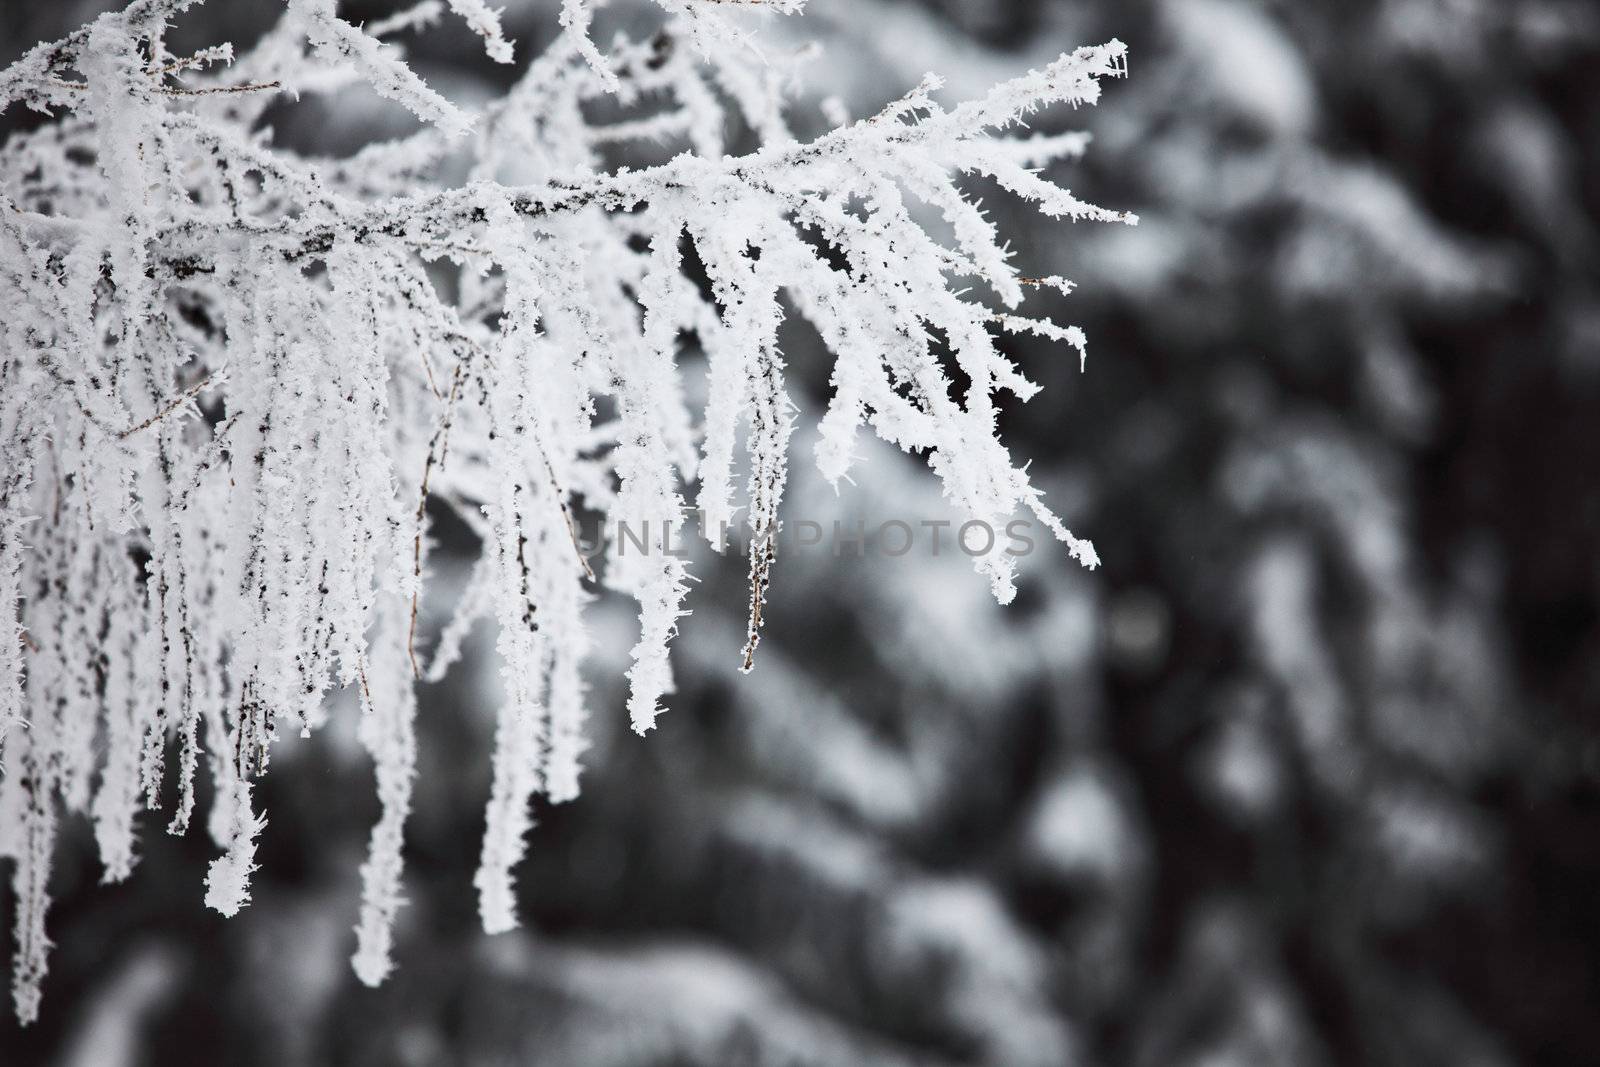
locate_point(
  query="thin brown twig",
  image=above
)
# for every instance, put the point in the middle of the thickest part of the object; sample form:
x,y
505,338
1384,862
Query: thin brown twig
x,y
188,394
566,513
1061,285
760,577
427,370
436,453
209,90
214,90
199,59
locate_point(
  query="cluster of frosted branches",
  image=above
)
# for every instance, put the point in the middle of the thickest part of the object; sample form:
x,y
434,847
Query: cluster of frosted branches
x,y
238,382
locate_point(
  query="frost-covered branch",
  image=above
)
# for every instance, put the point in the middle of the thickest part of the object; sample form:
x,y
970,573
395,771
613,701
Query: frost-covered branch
x,y
237,383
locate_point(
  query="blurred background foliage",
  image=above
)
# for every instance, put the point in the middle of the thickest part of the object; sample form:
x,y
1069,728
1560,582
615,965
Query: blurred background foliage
x,y
1308,774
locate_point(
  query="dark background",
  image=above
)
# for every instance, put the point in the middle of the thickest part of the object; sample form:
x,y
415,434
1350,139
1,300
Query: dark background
x,y
1307,774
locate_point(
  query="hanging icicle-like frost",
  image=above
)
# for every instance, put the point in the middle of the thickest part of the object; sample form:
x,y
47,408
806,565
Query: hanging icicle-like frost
x,y
233,396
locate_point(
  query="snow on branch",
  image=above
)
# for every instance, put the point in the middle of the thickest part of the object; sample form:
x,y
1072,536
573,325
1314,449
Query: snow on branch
x,y
237,383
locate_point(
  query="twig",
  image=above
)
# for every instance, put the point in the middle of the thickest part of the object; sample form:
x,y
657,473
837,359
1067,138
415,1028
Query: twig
x,y
210,90
189,394
436,453
215,54
566,513
213,90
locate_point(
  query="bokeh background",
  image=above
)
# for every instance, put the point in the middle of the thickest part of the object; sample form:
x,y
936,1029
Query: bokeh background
x,y
1307,774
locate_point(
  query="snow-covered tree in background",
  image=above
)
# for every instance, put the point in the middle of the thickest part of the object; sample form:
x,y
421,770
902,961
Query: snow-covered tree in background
x,y
237,381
